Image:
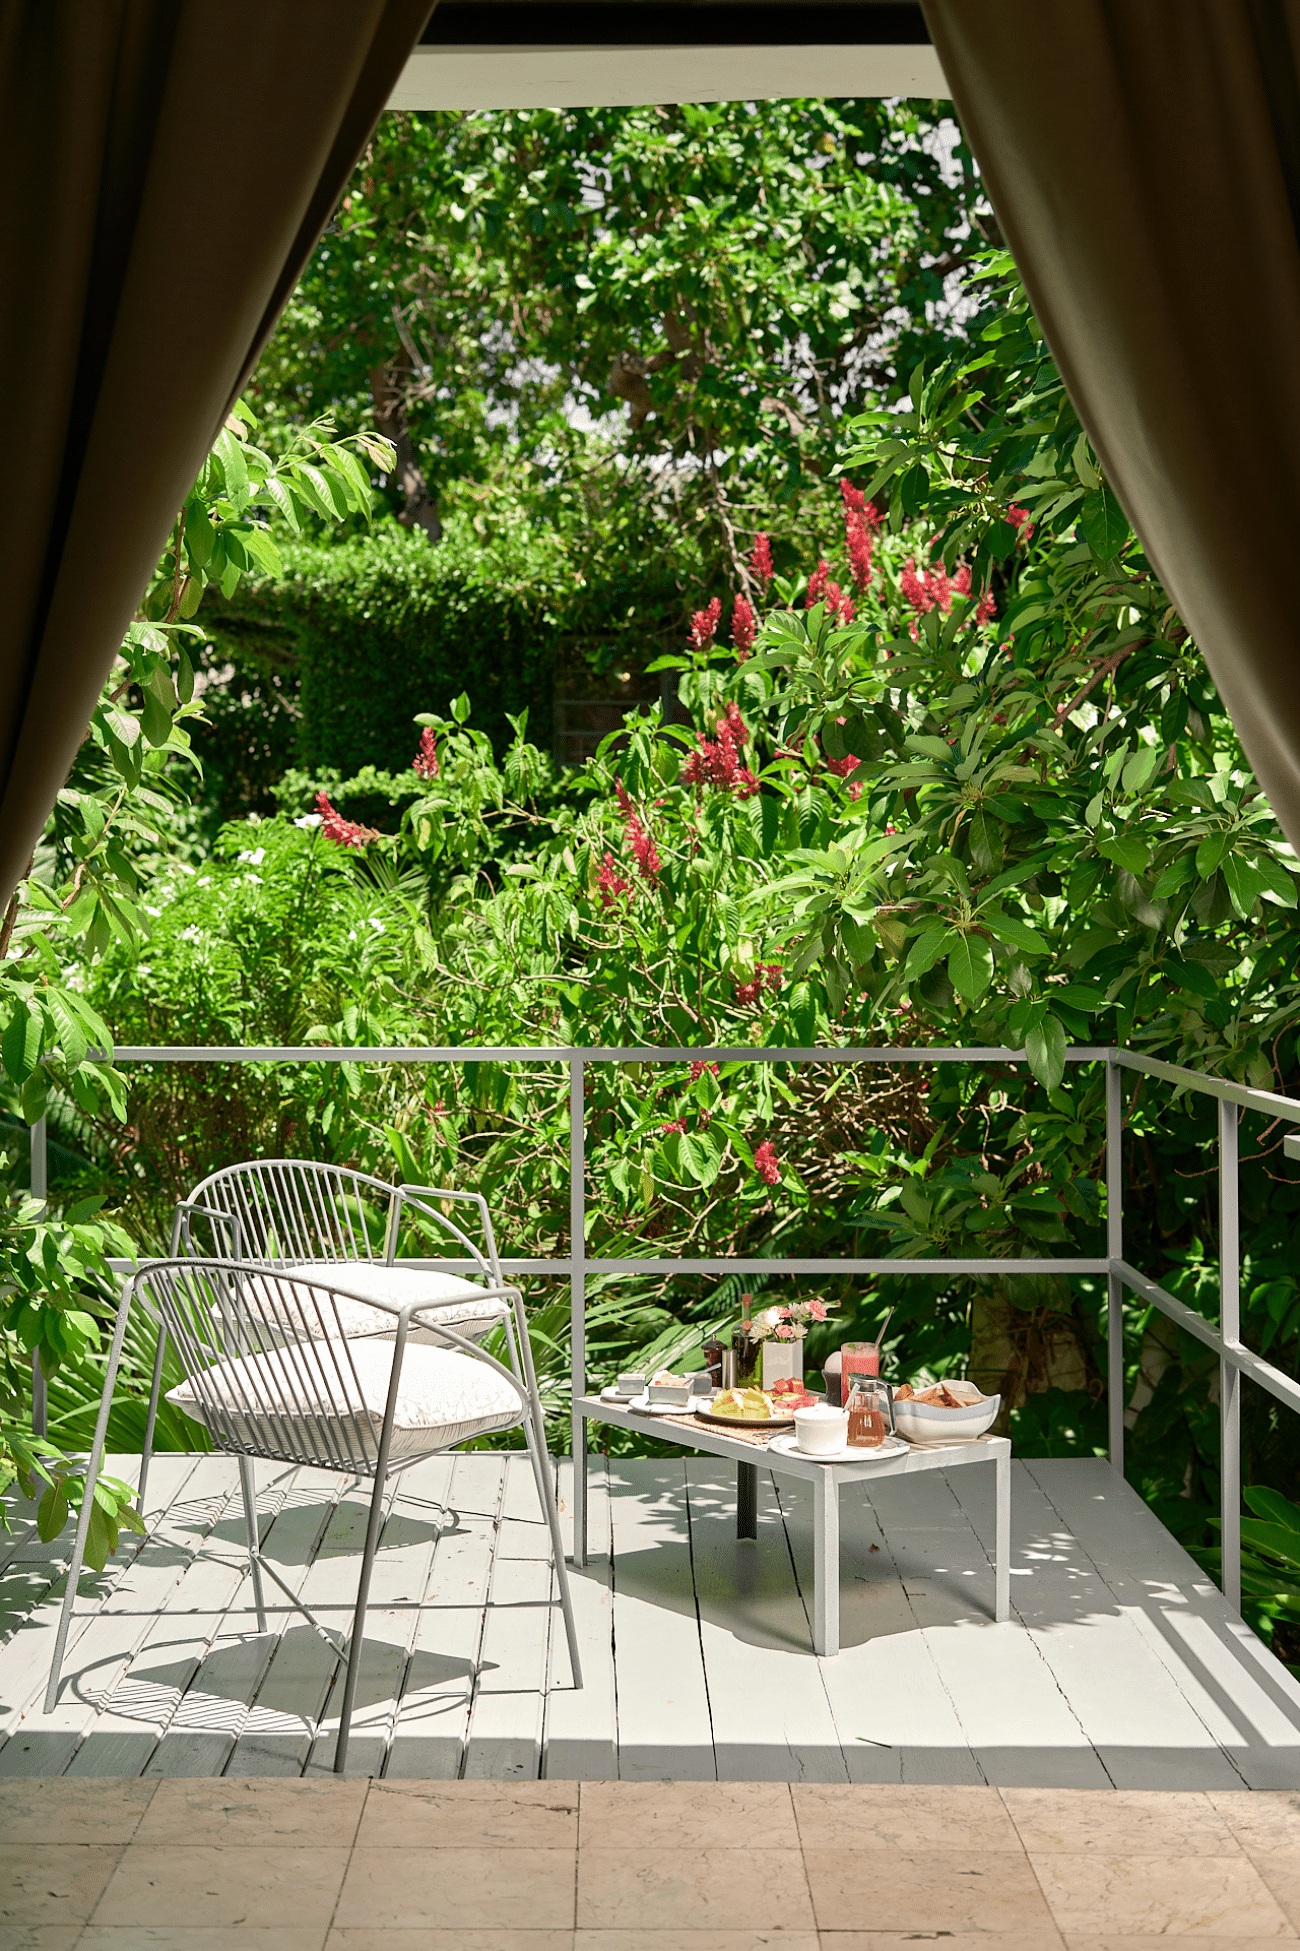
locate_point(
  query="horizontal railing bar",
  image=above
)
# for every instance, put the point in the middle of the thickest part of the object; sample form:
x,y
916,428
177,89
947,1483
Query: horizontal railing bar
x,y
1279,1384
738,1266
1220,1087
334,1053
1284,1387
595,1264
1160,1297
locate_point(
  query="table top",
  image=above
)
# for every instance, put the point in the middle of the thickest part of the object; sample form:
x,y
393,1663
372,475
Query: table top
x,y
707,1436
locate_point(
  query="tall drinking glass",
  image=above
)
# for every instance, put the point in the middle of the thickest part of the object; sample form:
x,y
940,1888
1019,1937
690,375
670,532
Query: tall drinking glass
x,y
857,1358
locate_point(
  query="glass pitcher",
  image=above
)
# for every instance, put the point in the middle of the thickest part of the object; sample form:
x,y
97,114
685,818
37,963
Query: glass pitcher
x,y
870,1403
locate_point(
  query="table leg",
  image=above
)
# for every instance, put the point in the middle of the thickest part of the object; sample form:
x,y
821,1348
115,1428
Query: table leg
x,y
1002,1543
826,1563
579,1491
746,1500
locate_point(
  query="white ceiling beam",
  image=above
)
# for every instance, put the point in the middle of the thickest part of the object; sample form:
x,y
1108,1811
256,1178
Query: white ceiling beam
x,y
624,77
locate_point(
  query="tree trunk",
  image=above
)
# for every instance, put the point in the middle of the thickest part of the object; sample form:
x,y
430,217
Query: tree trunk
x,y
388,390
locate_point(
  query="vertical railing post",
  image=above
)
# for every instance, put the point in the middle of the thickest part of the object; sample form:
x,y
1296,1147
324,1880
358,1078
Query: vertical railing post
x,y
578,1297
1115,1253
40,1182
1229,1373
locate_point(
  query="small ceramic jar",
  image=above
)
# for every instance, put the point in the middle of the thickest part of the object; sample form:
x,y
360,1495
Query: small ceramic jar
x,y
821,1431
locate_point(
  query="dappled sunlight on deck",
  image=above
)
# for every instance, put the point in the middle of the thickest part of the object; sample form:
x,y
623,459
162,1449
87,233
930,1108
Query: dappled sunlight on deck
x,y
1122,1664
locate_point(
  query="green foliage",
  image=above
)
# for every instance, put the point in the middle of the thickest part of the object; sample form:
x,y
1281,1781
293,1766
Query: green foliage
x,y
387,627
85,893
737,276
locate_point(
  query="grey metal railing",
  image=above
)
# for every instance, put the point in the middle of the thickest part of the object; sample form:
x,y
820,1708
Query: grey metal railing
x,y
1225,1339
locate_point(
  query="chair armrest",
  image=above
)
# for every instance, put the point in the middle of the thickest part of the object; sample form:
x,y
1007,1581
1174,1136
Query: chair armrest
x,y
185,1207
419,1197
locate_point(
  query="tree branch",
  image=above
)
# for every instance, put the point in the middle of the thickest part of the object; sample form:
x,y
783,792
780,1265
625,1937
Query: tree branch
x,y
1106,668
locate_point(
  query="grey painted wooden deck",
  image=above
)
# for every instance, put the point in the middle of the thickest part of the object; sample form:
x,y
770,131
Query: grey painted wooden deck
x,y
1122,1665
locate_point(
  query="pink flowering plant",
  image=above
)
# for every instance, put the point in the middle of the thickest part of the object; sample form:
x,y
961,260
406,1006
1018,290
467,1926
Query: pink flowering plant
x,y
789,1322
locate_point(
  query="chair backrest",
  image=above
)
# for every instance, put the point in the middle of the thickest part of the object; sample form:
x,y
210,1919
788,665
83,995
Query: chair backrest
x,y
290,1209
266,1363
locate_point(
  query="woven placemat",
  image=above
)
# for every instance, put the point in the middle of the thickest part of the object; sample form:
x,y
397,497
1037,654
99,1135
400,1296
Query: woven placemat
x,y
759,1438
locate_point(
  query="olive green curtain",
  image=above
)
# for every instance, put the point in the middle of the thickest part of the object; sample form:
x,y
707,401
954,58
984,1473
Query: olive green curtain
x,y
167,167
1143,159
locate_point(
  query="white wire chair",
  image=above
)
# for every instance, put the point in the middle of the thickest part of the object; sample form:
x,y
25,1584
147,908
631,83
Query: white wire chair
x,y
270,1373
332,1221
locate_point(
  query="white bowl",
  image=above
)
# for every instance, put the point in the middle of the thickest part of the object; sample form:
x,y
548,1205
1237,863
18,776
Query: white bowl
x,y
928,1422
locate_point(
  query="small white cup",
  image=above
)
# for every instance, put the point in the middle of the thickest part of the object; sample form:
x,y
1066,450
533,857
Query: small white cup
x,y
821,1430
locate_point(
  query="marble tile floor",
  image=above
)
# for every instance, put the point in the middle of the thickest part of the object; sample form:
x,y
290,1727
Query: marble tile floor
x,y
339,1865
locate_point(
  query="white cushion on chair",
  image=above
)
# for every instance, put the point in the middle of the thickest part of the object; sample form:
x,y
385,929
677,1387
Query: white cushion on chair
x,y
461,1304
443,1398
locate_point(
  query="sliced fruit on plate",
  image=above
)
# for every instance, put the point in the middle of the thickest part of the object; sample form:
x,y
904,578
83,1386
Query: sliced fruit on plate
x,y
790,1393
747,1405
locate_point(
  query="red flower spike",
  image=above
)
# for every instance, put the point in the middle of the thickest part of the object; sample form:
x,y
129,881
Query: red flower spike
x,y
610,883
704,624
743,627
643,847
760,561
839,603
817,584
344,833
425,762
766,1164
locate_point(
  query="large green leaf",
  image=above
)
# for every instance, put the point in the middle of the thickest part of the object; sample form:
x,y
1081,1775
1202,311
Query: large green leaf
x,y
1045,1047
1104,524
970,966
23,1039
1010,928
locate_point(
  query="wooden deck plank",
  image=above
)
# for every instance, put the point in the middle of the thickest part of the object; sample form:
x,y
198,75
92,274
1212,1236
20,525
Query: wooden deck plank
x,y
402,1564
522,1530
508,1713
428,1740
1244,1696
581,1733
1128,1665
113,1612
1020,1726
664,1729
1141,1724
212,1711
893,1714
771,1717
280,1723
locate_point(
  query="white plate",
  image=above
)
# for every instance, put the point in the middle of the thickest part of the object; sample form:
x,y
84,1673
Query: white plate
x,y
644,1407
891,1447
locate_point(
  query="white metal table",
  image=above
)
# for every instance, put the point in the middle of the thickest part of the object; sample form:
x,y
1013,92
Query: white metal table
x,y
827,1480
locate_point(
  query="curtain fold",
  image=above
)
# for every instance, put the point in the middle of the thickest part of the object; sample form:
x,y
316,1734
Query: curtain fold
x,y
1143,159
169,165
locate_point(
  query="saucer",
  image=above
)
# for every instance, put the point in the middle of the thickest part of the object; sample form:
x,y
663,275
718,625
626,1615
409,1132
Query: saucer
x,y
892,1446
644,1407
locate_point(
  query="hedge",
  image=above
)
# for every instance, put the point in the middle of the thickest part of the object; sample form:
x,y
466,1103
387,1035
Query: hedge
x,y
356,638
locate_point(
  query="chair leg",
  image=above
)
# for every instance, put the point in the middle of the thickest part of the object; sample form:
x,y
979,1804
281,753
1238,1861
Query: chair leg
x,y
373,1529
248,1485
87,1504
147,1456
535,1436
